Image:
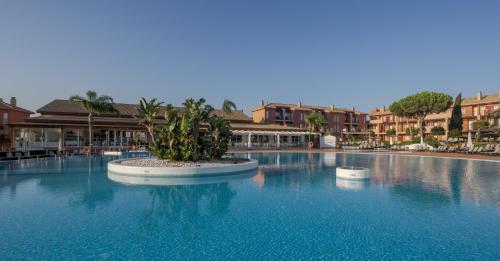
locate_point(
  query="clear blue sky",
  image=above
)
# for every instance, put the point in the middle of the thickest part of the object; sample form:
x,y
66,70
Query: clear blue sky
x,y
361,53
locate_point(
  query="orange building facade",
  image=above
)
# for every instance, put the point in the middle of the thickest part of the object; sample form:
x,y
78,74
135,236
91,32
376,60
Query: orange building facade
x,y
339,120
11,114
479,107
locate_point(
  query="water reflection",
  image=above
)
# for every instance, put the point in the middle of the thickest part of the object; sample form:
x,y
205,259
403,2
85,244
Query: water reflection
x,y
79,178
349,184
413,180
410,179
187,205
172,181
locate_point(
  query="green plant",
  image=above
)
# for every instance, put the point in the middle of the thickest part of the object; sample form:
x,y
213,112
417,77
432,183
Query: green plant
x,y
412,131
391,132
415,140
196,113
147,114
181,137
455,133
478,126
314,122
217,137
228,107
420,105
94,105
437,130
432,141
456,121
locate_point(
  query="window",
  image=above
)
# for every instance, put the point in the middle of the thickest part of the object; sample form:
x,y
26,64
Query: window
x,y
475,111
295,139
236,138
267,115
464,110
483,108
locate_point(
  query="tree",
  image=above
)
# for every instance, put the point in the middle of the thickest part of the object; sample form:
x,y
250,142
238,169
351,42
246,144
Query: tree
x,y
437,130
217,137
180,137
412,131
147,114
391,133
478,126
228,107
94,105
197,112
314,122
420,105
371,134
456,115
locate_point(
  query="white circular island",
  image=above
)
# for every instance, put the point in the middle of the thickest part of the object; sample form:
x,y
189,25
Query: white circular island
x,y
357,173
163,168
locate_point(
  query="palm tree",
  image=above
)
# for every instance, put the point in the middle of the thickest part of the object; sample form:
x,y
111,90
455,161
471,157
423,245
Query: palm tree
x,y
198,112
94,105
228,107
314,122
148,111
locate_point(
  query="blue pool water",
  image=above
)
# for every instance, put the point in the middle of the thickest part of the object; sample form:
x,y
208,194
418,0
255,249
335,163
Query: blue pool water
x,y
293,207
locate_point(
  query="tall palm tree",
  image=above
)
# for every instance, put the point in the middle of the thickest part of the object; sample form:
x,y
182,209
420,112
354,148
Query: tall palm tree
x,y
148,111
94,105
314,122
198,113
228,107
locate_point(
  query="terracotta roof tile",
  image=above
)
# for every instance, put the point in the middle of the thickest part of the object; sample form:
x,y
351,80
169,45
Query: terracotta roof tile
x,y
65,107
485,99
307,107
7,106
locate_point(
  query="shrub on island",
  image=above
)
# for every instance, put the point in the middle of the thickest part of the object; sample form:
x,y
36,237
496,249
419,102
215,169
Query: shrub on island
x,y
191,133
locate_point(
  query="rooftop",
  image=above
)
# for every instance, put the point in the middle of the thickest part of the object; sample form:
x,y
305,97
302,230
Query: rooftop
x,y
7,106
65,107
304,107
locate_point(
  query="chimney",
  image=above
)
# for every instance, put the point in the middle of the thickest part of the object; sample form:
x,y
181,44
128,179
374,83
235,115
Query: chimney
x,y
383,108
353,109
479,95
262,103
13,101
332,107
299,104
1,100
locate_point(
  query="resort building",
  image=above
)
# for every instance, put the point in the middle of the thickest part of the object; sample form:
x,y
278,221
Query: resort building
x,y
63,126
10,114
479,107
340,121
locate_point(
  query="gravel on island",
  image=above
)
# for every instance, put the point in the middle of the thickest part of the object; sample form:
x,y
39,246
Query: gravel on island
x,y
152,162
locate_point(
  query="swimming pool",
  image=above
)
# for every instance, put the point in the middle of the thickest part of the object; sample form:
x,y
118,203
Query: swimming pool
x,y
293,207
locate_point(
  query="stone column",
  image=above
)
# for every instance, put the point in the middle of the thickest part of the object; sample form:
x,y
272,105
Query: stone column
x,y
277,140
107,139
249,140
